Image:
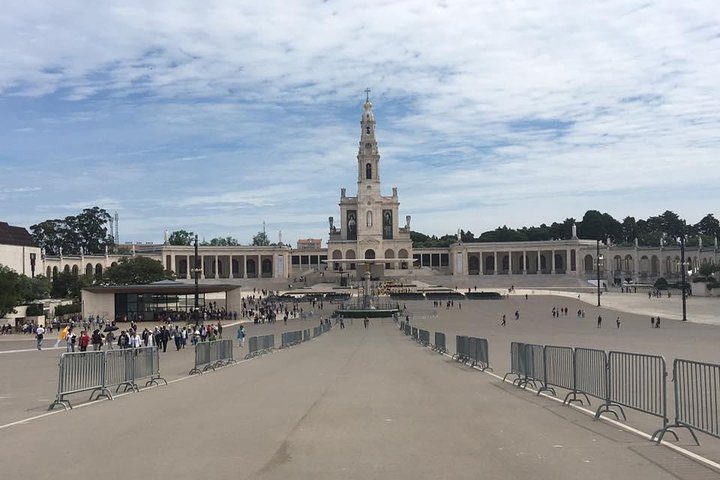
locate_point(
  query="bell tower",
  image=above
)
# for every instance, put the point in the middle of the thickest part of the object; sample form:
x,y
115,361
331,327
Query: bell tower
x,y
368,155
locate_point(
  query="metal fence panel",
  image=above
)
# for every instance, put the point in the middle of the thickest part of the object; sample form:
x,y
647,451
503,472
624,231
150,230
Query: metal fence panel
x,y
559,367
80,372
481,355
424,337
697,392
203,358
591,372
440,342
637,381
119,369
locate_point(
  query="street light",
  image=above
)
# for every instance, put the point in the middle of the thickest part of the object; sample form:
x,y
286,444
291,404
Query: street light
x,y
683,268
598,262
196,273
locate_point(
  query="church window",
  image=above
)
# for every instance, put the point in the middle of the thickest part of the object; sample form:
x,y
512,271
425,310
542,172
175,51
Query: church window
x,y
369,219
368,146
368,172
367,130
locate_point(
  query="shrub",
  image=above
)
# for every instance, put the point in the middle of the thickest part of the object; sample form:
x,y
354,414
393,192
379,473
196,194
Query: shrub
x,y
661,284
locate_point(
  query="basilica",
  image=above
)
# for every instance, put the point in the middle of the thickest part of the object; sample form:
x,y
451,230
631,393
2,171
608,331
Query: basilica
x,y
369,228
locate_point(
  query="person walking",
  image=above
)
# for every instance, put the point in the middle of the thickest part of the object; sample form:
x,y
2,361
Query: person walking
x,y
219,328
599,321
517,315
652,322
366,322
241,336
39,335
502,322
96,340
109,339
657,322
617,322
84,341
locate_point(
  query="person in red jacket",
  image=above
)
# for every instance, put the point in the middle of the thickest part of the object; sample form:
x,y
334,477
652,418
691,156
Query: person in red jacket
x,y
84,341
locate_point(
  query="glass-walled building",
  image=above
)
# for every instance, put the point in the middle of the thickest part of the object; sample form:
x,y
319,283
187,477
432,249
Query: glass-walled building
x,y
156,301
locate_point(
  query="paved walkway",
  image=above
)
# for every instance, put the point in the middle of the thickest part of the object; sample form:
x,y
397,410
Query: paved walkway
x,y
355,403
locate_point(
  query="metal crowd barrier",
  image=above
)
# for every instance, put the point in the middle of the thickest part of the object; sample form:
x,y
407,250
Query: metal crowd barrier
x,y
260,345
98,371
636,381
407,329
590,377
533,365
211,355
479,352
326,327
291,338
559,370
306,335
461,348
439,345
317,331
414,331
517,355
697,391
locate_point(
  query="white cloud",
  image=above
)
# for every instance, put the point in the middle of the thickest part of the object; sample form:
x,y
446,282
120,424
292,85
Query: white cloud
x,y
487,111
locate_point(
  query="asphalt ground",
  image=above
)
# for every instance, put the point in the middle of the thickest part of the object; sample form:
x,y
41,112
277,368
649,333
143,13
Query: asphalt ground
x,y
354,403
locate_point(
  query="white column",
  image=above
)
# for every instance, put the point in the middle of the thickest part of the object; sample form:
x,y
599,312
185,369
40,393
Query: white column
x,y
202,267
230,273
538,262
258,269
568,265
552,258
216,268
510,269
496,263
524,262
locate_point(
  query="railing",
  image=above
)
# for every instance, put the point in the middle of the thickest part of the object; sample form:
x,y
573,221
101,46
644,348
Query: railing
x,y
696,390
96,372
211,355
260,345
291,338
439,345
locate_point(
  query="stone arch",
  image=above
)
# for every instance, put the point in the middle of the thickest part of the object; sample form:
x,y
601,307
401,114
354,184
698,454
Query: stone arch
x,y
234,266
617,262
543,263
402,253
89,270
628,264
668,265
368,171
55,271
66,269
676,264
505,263
48,272
490,263
251,268
113,264
266,267
98,270
389,253
588,262
473,265
350,255
559,263
654,265
336,255
644,264
369,254
75,270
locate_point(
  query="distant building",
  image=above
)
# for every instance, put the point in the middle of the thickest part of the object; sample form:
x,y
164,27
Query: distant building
x,y
18,251
309,244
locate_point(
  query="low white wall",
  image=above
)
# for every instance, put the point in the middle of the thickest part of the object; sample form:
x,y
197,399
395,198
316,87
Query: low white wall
x,y
98,303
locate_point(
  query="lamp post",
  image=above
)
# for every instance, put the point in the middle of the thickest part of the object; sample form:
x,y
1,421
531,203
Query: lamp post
x,y
683,266
196,273
598,261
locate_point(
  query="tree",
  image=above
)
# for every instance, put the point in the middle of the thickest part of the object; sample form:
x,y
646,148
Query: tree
x,y
672,225
67,285
224,242
261,240
709,226
135,271
36,288
10,295
83,232
181,237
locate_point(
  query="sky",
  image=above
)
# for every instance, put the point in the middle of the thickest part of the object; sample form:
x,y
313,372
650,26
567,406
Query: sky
x,y
215,116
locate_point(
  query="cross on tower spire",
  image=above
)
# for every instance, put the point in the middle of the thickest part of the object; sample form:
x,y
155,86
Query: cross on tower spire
x,y
367,94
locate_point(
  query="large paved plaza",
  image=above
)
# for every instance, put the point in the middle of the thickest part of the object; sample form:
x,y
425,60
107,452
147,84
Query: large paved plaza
x,y
355,403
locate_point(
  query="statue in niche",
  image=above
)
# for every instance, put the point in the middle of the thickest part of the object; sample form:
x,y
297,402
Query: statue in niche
x,y
368,219
351,225
387,224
